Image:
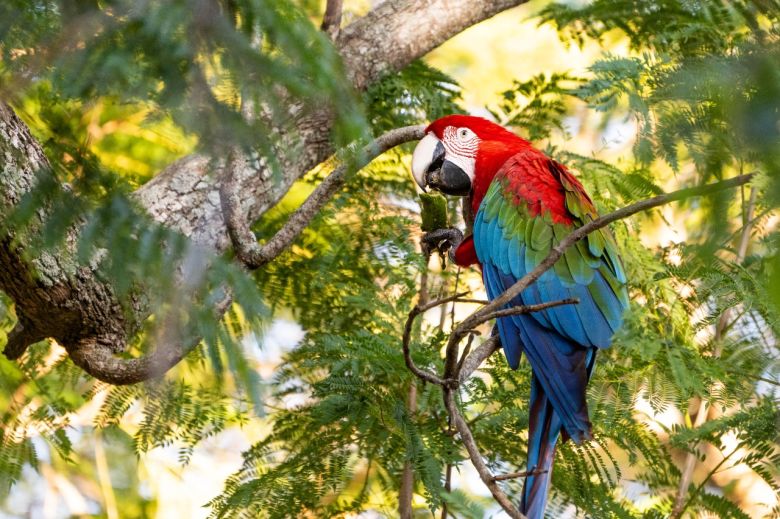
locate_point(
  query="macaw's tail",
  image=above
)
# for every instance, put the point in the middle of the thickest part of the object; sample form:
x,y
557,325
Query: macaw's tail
x,y
543,432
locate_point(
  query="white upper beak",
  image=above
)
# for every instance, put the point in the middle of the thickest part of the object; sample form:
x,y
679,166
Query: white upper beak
x,y
422,157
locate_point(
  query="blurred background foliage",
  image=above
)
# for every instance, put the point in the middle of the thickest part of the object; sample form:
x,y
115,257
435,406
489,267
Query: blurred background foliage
x,y
304,375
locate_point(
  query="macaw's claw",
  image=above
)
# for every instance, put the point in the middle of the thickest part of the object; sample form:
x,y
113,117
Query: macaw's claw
x,y
442,241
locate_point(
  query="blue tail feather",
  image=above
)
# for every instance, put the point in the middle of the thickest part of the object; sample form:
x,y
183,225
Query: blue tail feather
x,y
543,431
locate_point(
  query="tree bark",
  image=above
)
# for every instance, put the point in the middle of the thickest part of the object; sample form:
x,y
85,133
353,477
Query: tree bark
x,y
55,297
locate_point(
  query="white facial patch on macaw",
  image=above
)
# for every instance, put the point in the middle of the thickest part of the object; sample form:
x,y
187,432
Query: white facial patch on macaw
x,y
461,145
421,158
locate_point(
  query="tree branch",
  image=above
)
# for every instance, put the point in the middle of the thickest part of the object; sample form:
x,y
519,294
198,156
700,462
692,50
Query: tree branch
x,y
586,229
99,361
254,255
515,475
477,357
476,458
331,21
397,32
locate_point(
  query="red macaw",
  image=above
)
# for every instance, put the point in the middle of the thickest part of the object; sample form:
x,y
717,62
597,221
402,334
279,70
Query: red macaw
x,y
525,203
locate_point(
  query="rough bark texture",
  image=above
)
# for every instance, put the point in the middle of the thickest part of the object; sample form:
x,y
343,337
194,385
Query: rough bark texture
x,y
55,298
185,195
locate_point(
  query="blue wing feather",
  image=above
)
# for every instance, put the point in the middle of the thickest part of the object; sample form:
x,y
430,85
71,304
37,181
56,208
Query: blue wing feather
x,y
558,342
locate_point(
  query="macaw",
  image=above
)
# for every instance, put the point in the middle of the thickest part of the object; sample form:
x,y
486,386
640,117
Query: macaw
x,y
525,203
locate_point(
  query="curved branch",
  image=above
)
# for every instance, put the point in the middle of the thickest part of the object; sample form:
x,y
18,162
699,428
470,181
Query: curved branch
x,y
422,374
94,358
254,255
97,359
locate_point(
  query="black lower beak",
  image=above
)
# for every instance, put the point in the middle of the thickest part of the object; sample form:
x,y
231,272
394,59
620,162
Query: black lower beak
x,y
448,178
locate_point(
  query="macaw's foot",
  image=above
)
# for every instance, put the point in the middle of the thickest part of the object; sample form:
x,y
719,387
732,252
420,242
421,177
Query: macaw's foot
x,y
442,240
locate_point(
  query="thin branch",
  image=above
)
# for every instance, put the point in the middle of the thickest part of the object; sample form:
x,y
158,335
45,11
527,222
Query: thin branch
x,y
515,475
526,309
331,21
757,378
457,298
476,458
254,255
588,228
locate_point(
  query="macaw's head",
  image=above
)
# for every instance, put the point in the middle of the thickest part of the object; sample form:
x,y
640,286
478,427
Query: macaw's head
x,y
462,152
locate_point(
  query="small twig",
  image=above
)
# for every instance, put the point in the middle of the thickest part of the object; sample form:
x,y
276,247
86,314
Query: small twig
x,y
465,354
254,255
331,20
758,378
474,301
527,309
443,301
515,475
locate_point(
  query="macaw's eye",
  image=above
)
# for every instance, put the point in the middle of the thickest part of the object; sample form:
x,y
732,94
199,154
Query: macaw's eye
x,y
464,134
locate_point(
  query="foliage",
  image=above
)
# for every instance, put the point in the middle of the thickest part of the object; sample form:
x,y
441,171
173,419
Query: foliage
x,y
701,82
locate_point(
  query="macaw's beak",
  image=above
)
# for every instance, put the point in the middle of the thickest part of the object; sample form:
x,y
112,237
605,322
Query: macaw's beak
x,y
431,168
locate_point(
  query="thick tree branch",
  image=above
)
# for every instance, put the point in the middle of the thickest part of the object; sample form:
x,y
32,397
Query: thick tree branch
x,y
244,242
397,32
170,348
82,311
